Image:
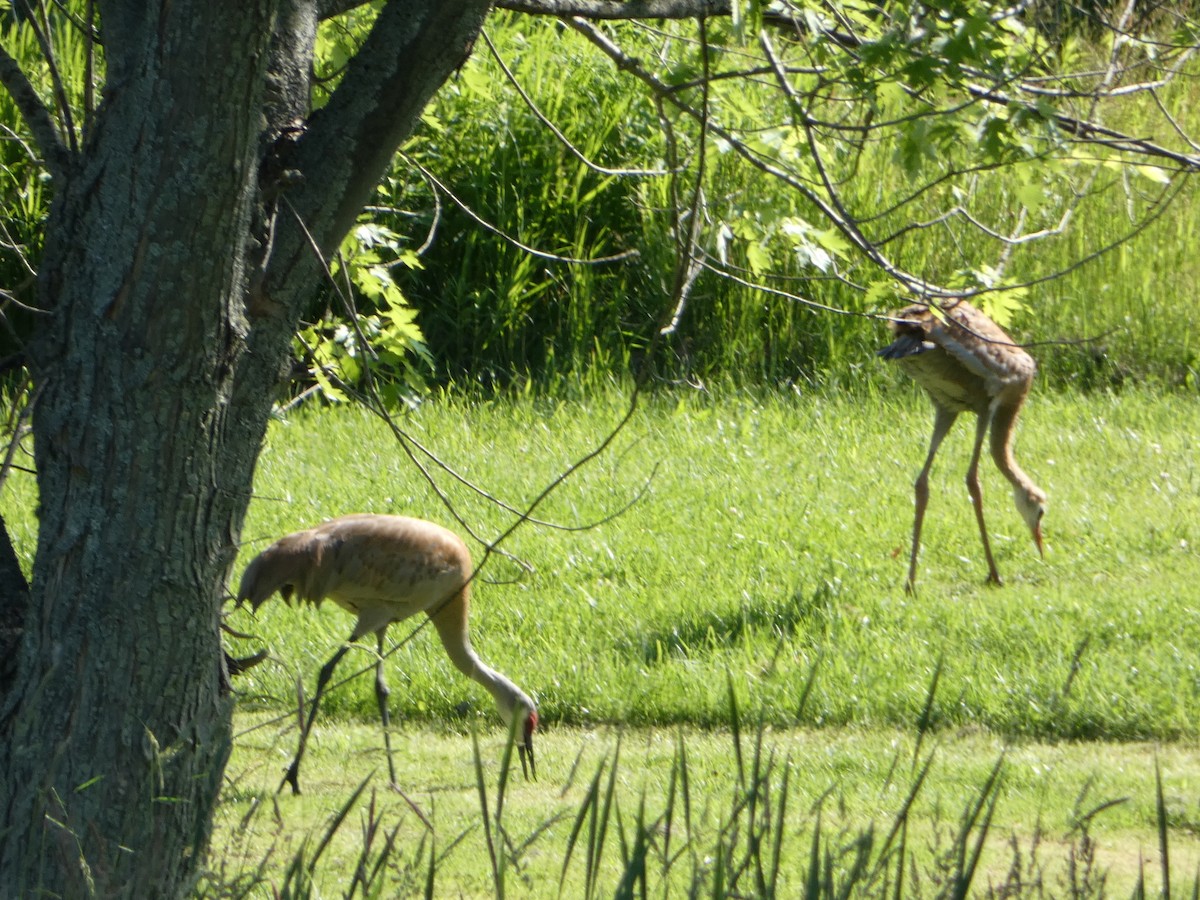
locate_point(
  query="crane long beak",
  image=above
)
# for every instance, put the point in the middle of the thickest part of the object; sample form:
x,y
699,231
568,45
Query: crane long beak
x,y
1037,539
528,768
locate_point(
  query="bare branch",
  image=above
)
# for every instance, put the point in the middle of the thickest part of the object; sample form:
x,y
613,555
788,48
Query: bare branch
x,y
554,129
615,9
373,402
328,9
1096,133
36,115
42,31
533,251
687,268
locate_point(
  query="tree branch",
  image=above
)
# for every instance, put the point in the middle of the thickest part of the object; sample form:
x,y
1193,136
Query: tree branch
x,y
438,185
1095,133
412,49
614,9
36,115
848,228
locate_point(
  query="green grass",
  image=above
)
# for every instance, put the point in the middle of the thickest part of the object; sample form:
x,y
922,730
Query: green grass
x,y
1057,806
771,542
763,559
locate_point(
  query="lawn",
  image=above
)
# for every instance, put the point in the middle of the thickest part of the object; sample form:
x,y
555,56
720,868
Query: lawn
x,y
739,560
767,537
762,559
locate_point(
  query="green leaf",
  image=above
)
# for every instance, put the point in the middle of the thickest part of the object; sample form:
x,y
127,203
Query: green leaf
x,y
1031,196
331,393
877,293
833,241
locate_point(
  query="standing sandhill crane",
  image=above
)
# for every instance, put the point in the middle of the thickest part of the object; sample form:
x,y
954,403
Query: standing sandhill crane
x,y
384,569
966,363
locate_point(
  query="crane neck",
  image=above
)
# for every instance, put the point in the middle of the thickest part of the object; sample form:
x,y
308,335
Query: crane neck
x,y
503,690
1004,422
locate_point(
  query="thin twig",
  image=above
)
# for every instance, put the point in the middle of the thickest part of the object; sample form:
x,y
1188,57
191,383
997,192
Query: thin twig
x,y
531,104
532,251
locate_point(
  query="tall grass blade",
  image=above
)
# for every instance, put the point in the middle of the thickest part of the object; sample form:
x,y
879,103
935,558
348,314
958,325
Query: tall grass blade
x,y
589,800
668,816
812,882
1139,888
481,787
1164,852
809,682
901,853
858,868
298,878
757,790
772,880
371,863
985,804
900,820
431,872
735,728
336,823
1076,665
586,813
634,874
601,816
678,793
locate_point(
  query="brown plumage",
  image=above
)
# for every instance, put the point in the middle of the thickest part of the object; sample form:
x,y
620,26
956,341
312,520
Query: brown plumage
x,y
966,363
384,569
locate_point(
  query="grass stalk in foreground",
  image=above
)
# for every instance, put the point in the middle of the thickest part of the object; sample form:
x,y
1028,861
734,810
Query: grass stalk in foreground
x,y
756,836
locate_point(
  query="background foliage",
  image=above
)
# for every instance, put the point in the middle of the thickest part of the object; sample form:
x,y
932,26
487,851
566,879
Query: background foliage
x,y
441,269
493,313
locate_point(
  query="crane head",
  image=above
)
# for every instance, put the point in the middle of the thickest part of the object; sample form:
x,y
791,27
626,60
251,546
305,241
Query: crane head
x,y
520,714
1031,502
281,567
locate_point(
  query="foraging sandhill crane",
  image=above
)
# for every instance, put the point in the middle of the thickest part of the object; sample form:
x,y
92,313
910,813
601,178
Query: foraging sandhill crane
x,y
384,569
966,363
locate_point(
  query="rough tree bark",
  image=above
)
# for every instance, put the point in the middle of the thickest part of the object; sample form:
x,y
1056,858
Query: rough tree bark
x,y
175,268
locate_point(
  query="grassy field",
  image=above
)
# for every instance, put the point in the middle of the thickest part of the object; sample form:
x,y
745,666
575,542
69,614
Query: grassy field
x,y
1052,831
760,564
767,550
769,539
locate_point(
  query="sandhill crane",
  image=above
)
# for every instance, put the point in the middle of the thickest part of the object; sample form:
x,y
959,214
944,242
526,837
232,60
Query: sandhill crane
x,y
384,569
966,363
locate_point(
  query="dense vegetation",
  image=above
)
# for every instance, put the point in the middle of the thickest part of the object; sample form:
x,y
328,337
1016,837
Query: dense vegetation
x,y
447,290
491,312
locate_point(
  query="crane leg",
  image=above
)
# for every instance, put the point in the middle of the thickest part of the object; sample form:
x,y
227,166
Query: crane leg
x,y
976,491
943,420
381,697
292,776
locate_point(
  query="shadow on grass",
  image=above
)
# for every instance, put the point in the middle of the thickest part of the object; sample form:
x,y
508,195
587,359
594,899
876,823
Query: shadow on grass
x,y
800,615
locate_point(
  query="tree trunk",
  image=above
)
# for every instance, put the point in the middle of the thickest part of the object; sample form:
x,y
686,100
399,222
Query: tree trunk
x,y
14,599
175,268
116,733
